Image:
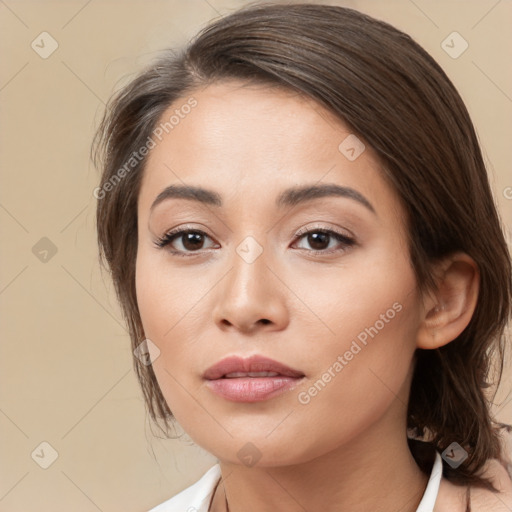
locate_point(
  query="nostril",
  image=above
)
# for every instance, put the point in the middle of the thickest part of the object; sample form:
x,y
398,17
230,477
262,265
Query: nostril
x,y
263,321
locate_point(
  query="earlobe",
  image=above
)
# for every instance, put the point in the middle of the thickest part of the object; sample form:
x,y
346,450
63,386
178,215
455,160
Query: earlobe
x,y
449,309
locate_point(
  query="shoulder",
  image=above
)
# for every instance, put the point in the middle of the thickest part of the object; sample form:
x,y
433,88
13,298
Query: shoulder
x,y
499,472
483,500
194,498
452,498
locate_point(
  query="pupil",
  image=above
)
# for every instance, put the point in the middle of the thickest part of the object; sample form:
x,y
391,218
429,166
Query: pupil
x,y
318,240
192,241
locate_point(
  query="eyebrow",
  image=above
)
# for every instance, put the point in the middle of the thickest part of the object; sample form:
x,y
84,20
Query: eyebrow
x,y
289,197
199,194
296,195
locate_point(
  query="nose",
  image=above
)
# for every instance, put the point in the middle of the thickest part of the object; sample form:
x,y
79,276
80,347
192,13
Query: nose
x,y
251,298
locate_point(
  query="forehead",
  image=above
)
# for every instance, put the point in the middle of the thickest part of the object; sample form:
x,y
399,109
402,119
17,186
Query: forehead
x,y
252,139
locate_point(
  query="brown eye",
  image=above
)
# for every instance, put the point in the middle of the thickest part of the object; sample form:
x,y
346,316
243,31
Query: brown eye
x,y
318,241
184,241
324,240
192,241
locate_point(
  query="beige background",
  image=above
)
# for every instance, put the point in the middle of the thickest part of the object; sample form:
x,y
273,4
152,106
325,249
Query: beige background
x,y
65,366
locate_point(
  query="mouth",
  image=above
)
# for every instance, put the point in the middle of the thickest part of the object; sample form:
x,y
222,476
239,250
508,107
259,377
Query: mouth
x,y
234,367
252,379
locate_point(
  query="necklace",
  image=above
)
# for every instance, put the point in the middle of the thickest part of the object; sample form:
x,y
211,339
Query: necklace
x,y
468,499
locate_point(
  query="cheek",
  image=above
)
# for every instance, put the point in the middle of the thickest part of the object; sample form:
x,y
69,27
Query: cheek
x,y
372,296
371,357
364,360
171,306
169,300
361,376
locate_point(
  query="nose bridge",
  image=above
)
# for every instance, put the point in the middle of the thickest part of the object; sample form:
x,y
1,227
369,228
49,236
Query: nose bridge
x,y
250,265
250,293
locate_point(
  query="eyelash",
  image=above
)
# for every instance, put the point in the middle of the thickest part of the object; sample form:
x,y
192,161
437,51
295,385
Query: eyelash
x,y
172,235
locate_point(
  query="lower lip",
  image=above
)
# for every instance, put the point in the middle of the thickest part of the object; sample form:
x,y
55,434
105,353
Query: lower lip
x,y
252,389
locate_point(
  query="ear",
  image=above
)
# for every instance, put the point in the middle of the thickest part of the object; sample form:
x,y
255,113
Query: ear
x,y
449,308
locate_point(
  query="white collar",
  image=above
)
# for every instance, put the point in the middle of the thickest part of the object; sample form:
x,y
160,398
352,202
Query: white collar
x,y
197,497
430,496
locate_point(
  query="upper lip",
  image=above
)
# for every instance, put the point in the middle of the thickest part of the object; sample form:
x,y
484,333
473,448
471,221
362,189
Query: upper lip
x,y
255,363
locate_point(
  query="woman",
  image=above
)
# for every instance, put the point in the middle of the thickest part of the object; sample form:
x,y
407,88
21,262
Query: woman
x,y
302,236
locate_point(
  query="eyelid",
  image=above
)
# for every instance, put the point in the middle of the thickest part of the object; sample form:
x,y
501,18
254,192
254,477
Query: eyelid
x,y
343,236
188,227
345,241
322,227
179,230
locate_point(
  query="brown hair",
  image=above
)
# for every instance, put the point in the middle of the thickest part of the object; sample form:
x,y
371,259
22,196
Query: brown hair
x,y
395,97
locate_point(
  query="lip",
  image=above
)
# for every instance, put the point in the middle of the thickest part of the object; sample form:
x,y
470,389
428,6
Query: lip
x,y
254,363
246,388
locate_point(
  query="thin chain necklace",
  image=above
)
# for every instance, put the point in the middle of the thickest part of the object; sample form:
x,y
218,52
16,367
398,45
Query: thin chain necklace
x,y
468,500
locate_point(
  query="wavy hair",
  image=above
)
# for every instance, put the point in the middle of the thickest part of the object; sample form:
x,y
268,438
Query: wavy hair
x,y
394,96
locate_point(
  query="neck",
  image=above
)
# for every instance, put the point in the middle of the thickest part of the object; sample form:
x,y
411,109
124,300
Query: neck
x,y
374,471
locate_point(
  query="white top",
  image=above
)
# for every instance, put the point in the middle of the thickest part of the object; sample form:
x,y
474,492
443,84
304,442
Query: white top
x,y
196,498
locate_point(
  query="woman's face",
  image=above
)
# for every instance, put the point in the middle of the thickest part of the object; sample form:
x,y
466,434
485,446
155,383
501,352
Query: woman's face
x,y
303,260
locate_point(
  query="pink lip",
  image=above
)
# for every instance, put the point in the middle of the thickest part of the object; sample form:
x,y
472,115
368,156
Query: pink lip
x,y
250,389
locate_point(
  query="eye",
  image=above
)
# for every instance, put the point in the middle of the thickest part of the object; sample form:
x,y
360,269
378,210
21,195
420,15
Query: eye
x,y
324,240
183,241
186,241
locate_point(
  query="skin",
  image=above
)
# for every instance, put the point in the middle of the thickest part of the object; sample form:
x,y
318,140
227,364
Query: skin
x,y
248,143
